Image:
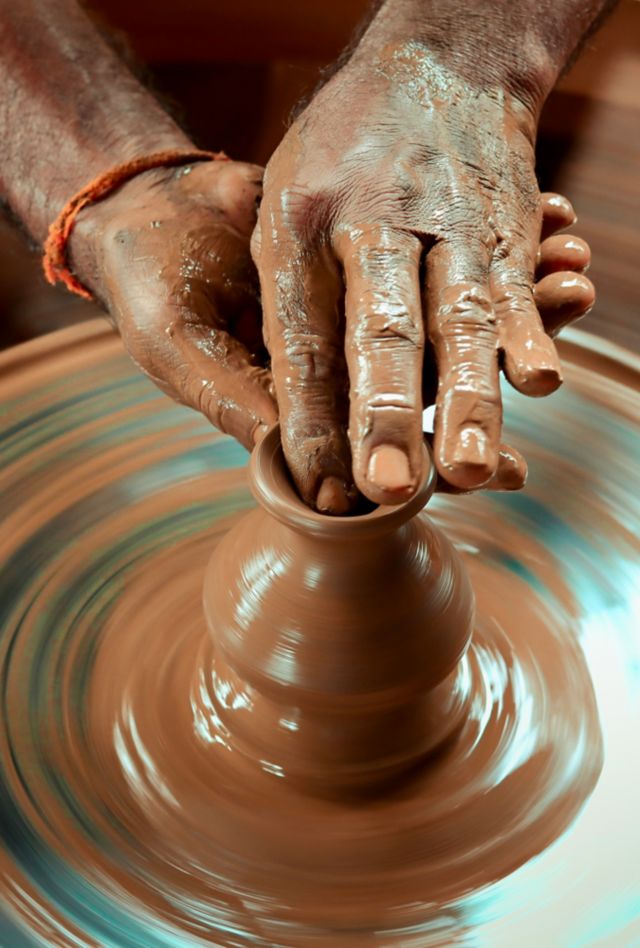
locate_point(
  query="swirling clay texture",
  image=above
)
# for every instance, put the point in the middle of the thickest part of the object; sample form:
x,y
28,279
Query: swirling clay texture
x,y
126,818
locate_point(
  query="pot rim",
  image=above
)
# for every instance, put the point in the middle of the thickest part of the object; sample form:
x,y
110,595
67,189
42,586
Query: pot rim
x,y
272,487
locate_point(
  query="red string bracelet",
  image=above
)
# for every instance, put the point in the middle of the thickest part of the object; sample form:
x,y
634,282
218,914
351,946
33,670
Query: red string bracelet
x,y
55,262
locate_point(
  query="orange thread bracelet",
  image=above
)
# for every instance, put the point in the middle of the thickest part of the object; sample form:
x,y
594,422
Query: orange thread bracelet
x,y
55,262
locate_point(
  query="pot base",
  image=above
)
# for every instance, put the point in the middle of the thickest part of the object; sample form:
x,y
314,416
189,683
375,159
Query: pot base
x,y
519,768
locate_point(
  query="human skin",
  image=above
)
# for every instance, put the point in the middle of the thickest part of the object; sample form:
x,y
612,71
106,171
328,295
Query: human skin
x,y
167,254
397,241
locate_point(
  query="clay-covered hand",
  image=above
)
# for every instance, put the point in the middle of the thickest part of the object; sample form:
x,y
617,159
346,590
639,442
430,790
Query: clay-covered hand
x,y
562,295
168,256
396,246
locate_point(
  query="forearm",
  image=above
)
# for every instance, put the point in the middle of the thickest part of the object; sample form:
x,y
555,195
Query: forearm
x,y
520,45
70,109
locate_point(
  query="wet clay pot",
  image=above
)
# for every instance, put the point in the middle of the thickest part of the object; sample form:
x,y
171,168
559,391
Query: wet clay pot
x,y
338,641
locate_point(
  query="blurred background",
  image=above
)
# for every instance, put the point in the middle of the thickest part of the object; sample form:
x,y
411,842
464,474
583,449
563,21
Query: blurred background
x,y
232,70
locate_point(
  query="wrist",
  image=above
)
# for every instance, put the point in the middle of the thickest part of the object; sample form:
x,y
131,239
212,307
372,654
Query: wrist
x,y
71,110
108,220
94,157
483,45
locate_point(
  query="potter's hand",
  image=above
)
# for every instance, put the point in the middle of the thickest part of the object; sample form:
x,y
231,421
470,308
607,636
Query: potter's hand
x,y
168,252
396,247
168,256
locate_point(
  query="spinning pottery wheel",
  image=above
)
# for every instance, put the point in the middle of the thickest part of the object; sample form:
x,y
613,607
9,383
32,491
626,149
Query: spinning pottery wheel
x,y
127,817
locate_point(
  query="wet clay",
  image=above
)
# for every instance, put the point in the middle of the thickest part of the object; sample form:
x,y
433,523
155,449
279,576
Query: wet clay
x,y
338,641
132,816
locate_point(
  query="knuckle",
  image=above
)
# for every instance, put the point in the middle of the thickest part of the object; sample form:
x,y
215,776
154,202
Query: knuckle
x,y
366,203
464,313
464,216
472,388
396,410
398,401
307,358
408,179
478,403
380,251
298,213
473,384
207,400
504,247
293,200
390,327
514,299
223,412
393,194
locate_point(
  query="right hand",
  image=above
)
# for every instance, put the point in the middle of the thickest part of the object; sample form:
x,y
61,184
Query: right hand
x,y
396,246
562,294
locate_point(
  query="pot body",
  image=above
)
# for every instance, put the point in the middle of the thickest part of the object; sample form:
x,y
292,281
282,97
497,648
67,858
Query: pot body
x,y
338,659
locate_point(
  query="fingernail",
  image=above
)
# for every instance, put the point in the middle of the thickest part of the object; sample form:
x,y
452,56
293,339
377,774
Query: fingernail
x,y
473,460
559,200
512,471
472,448
540,380
332,497
389,469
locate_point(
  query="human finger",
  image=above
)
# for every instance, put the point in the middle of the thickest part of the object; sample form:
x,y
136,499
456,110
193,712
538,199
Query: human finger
x,y
511,474
530,361
462,329
562,252
204,367
384,344
557,213
301,299
562,298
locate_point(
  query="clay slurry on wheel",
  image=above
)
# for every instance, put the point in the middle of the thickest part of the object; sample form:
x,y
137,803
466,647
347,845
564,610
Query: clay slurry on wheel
x,y
129,820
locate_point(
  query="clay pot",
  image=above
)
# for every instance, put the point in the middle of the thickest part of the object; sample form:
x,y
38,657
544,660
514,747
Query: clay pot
x,y
338,640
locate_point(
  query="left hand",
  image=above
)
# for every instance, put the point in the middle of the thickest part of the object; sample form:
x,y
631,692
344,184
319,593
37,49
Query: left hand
x,y
168,256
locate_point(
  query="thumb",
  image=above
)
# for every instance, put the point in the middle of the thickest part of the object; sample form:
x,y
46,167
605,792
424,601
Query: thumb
x,y
206,368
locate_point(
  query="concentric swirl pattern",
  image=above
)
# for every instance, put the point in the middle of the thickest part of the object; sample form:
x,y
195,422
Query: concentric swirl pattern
x,y
126,820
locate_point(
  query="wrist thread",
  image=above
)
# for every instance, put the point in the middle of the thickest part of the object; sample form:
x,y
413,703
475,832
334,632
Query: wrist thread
x,y
55,262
